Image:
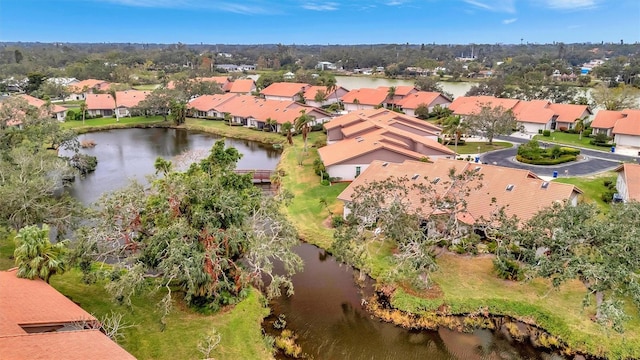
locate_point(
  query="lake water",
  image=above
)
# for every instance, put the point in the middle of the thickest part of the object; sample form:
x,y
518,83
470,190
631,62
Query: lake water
x,y
357,82
326,309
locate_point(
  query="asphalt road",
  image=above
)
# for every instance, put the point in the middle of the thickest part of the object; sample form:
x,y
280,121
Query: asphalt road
x,y
590,161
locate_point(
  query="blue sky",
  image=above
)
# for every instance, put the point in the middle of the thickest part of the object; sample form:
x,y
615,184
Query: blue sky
x,y
320,22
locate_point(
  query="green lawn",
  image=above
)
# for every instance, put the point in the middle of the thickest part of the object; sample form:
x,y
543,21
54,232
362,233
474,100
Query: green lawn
x,y
592,186
148,87
221,128
106,123
308,214
240,325
559,137
479,147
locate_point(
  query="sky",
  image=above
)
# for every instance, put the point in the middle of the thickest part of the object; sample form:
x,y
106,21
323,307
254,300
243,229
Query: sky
x,y
307,22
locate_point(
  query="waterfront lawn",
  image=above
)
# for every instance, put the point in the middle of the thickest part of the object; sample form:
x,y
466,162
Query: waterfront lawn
x,y
592,186
472,147
219,127
311,218
559,137
239,326
107,123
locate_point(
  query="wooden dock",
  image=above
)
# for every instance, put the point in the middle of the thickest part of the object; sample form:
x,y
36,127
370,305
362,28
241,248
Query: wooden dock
x,y
259,176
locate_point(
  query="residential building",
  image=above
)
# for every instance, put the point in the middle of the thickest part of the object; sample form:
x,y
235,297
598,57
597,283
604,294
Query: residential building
x,y
38,322
520,192
223,81
410,103
81,89
364,99
628,183
243,86
285,91
623,126
330,97
104,104
56,111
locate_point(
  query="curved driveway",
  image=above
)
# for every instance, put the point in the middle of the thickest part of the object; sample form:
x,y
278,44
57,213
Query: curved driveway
x,y
590,161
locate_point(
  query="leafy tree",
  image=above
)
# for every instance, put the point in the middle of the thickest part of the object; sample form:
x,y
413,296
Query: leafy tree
x,y
422,111
207,233
491,122
158,102
492,87
617,98
35,256
34,81
601,250
320,97
53,90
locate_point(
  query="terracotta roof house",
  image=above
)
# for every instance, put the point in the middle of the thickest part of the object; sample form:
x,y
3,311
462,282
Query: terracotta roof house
x,y
38,322
253,112
400,92
534,116
104,105
430,99
520,192
56,111
223,81
81,89
623,126
330,98
243,86
364,99
285,91
628,182
358,122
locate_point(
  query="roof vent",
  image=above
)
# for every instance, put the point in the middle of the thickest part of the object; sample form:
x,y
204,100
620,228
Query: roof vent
x,y
359,139
477,169
509,187
545,185
435,181
415,177
385,164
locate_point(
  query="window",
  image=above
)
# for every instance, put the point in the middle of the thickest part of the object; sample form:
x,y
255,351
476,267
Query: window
x,y
358,170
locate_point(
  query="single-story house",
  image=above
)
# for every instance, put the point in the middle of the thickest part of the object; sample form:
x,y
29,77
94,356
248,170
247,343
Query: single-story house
x,y
364,99
80,89
104,105
209,106
623,126
628,182
56,111
521,192
223,81
430,99
347,159
38,322
330,97
285,91
359,122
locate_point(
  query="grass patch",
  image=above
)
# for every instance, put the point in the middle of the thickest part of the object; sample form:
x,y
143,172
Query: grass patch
x,y
111,123
239,326
592,186
146,87
310,217
558,137
472,147
240,132
469,284
7,246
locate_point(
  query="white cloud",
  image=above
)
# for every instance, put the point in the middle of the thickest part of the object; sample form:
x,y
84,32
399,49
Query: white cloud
x,y
221,6
329,6
509,21
572,4
507,6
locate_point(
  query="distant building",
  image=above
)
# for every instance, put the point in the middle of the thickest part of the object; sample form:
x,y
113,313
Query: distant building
x,y
325,65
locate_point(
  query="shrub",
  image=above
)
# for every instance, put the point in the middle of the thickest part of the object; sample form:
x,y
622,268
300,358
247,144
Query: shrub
x,y
325,182
508,269
570,151
546,133
540,131
546,161
587,133
562,128
337,221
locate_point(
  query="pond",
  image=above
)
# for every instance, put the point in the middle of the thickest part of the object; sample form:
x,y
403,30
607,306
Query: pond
x,y
357,82
326,310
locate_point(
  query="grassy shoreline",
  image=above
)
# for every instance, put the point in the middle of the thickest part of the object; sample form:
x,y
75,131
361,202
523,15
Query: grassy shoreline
x,y
467,284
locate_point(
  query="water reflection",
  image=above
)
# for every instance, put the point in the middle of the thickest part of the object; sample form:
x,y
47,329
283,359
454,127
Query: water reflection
x,y
327,314
130,154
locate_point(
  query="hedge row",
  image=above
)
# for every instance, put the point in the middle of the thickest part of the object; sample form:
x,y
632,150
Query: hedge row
x,y
547,161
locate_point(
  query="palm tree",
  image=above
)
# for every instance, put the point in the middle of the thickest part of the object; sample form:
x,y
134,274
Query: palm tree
x,y
286,129
455,127
228,118
332,86
83,108
302,125
320,97
112,92
35,256
580,126
390,94
356,102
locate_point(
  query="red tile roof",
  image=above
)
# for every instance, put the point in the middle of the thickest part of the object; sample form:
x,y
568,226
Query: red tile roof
x,y
127,99
569,113
414,100
401,90
365,96
99,102
244,86
629,124
535,111
284,89
631,173
606,119
526,197
89,84
40,103
381,117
